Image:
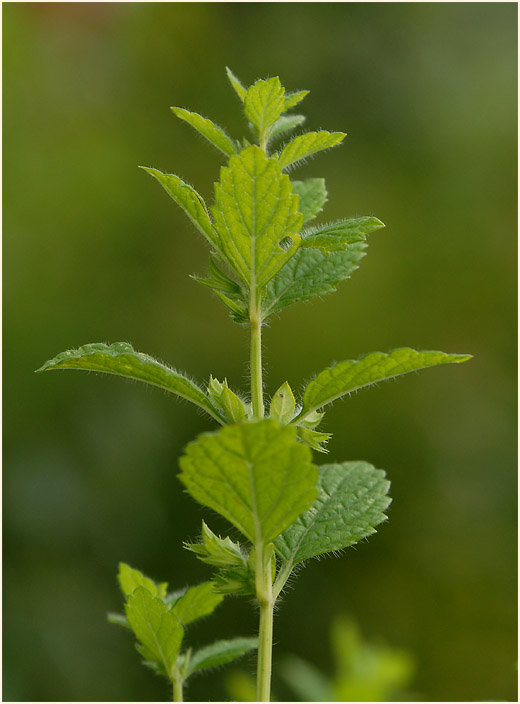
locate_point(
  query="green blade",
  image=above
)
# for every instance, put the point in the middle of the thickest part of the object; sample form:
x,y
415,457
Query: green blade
x,y
255,210
351,375
156,628
286,123
220,653
340,235
264,102
196,602
312,196
213,133
237,85
308,274
351,502
308,144
283,405
121,359
190,201
292,99
129,579
256,475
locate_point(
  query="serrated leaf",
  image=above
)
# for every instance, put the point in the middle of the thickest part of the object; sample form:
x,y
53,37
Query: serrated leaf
x,y
189,200
121,359
218,281
157,629
256,475
314,439
264,102
351,375
283,405
220,653
351,502
129,579
196,602
226,400
306,145
217,551
213,133
237,85
312,420
312,196
239,310
286,123
340,235
292,99
255,210
308,274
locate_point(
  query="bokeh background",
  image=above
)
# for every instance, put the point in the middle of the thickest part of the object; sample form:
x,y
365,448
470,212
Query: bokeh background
x,y
95,251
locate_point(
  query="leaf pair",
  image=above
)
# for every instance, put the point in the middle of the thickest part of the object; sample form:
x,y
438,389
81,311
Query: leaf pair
x,y
158,621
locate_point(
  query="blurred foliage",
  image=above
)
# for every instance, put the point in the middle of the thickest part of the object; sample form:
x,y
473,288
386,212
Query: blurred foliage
x,y
363,672
94,251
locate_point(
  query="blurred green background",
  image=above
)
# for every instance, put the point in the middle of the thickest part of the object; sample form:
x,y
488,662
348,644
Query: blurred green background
x,y
95,251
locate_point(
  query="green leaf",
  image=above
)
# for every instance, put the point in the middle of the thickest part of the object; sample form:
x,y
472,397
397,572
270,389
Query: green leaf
x,y
218,281
196,602
190,201
308,274
118,620
340,235
255,210
256,475
286,123
129,579
351,375
292,99
237,85
227,401
217,551
351,502
157,629
312,196
264,102
220,653
312,420
283,405
121,359
213,133
306,145
314,439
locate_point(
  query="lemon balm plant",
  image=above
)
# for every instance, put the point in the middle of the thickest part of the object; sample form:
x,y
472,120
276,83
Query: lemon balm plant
x,y
257,470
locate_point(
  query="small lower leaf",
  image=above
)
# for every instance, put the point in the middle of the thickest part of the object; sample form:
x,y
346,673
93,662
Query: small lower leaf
x,y
340,235
220,653
196,602
157,629
129,579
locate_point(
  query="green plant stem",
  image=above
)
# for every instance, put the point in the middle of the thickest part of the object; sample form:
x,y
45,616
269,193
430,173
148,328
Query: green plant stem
x,y
264,594
177,689
257,392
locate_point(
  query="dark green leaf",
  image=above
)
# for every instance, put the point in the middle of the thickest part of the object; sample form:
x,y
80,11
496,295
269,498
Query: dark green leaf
x,y
340,235
312,196
220,653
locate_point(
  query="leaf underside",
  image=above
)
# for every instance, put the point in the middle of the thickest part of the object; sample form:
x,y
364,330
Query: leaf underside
x,y
220,653
256,475
312,195
122,360
351,502
351,375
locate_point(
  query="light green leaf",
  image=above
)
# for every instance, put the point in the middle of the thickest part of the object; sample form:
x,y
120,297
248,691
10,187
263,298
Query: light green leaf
x,y
227,401
306,145
196,602
283,405
237,85
217,551
256,475
218,281
189,200
286,123
308,274
157,629
351,502
129,579
121,359
340,235
220,653
264,102
213,133
118,620
351,375
292,99
312,196
312,420
314,439
255,210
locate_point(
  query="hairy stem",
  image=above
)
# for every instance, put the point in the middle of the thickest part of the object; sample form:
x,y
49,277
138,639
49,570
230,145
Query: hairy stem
x,y
177,689
257,393
264,594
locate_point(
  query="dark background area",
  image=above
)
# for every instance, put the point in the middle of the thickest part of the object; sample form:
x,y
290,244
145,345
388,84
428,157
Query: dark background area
x,y
95,251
